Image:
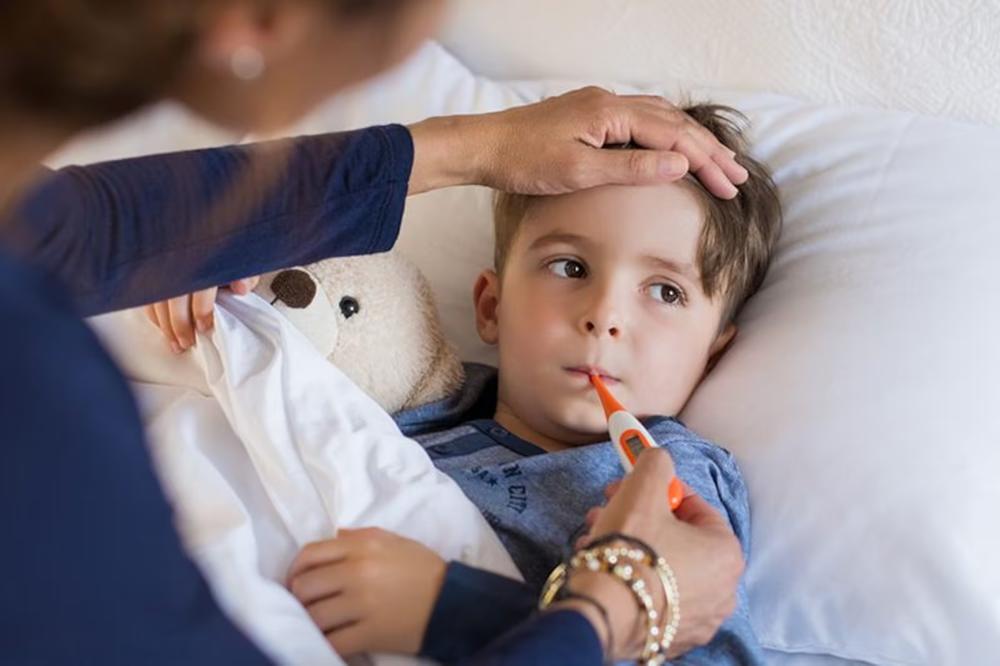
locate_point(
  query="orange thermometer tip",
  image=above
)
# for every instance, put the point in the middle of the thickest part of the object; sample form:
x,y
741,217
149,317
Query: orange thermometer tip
x,y
675,493
608,401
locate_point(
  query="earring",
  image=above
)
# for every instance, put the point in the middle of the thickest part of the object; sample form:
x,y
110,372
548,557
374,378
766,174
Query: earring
x,y
247,63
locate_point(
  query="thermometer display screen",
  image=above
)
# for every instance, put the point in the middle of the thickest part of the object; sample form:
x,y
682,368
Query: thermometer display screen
x,y
635,445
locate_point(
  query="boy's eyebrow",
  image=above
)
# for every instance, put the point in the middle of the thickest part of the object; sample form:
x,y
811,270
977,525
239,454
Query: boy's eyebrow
x,y
681,268
559,237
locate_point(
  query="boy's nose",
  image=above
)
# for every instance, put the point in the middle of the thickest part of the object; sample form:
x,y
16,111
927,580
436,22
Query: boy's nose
x,y
601,315
597,329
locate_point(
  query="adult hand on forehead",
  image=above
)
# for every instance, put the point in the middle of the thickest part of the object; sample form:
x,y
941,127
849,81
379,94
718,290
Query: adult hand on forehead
x,y
554,147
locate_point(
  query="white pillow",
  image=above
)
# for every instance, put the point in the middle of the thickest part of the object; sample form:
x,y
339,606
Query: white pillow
x,y
859,395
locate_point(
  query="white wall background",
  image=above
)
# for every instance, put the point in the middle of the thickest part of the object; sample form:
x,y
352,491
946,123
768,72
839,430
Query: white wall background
x,y
939,57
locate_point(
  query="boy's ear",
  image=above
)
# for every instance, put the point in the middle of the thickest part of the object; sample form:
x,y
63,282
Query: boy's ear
x,y
721,345
486,300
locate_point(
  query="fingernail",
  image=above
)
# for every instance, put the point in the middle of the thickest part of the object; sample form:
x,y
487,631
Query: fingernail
x,y
200,325
673,165
176,348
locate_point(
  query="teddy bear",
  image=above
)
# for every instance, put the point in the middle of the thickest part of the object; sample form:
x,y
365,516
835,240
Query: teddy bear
x,y
374,317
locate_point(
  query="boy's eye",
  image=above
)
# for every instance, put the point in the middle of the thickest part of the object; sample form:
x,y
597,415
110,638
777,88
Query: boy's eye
x,y
568,268
666,293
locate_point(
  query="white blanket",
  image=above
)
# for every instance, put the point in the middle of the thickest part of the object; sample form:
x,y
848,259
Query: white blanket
x,y
263,446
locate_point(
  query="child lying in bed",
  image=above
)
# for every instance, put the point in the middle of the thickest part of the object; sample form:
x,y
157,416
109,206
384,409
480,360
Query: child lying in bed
x,y
640,284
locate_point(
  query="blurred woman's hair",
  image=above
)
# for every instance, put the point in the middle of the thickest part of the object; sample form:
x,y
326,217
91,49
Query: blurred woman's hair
x,y
82,62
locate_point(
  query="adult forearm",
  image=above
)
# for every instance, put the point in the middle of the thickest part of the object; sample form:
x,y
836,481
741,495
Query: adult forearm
x,y
129,232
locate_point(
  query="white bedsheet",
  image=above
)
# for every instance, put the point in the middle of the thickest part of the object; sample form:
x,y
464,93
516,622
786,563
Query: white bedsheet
x,y
263,446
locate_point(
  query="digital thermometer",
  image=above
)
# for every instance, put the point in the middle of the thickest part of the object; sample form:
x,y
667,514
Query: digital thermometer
x,y
630,437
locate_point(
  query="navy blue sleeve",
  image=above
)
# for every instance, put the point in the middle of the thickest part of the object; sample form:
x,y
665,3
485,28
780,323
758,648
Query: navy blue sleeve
x,y
93,571
562,637
473,609
128,232
485,619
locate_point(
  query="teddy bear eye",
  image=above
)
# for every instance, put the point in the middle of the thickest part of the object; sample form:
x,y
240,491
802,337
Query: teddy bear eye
x,y
349,306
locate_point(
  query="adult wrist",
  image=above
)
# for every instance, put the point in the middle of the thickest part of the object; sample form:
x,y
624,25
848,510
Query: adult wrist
x,y
618,629
593,615
449,151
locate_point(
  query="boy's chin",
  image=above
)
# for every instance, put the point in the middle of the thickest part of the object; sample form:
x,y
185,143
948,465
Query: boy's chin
x,y
585,428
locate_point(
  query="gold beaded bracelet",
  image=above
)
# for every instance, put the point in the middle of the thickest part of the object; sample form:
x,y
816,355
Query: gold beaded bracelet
x,y
669,582
620,561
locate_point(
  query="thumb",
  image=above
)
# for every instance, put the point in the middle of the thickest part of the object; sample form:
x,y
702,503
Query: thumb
x,y
651,476
635,166
654,466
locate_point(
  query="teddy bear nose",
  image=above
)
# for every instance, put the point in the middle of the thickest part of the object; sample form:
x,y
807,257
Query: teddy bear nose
x,y
294,288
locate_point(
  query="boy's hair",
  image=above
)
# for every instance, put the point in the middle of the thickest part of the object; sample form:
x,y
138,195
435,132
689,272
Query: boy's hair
x,y
737,237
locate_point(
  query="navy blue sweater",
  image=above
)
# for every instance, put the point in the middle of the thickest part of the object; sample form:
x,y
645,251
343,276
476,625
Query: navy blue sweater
x,y
94,572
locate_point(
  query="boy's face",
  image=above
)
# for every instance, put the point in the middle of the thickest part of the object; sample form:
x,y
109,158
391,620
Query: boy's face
x,y
602,279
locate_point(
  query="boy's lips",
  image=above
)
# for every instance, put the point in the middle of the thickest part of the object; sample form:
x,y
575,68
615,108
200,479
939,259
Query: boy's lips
x,y
587,370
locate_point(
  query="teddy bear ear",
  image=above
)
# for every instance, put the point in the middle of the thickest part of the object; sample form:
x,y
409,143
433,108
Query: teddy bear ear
x,y
294,287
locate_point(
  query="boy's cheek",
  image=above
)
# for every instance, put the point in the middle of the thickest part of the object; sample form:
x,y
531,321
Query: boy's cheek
x,y
667,391
529,334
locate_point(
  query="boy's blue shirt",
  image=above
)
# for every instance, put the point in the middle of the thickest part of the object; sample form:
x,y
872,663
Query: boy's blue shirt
x,y
537,500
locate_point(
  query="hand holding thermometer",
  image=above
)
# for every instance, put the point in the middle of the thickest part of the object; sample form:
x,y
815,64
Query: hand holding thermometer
x,y
630,437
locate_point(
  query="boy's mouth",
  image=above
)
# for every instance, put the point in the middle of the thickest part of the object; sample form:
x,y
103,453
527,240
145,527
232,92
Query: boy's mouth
x,y
587,370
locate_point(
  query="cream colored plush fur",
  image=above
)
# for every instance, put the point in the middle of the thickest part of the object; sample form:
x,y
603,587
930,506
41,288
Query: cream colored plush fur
x,y
374,318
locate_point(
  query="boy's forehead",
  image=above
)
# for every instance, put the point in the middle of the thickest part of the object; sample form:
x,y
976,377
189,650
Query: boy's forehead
x,y
659,216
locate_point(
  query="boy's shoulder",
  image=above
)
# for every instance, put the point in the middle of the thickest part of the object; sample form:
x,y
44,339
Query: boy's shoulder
x,y
709,469
688,447
672,433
